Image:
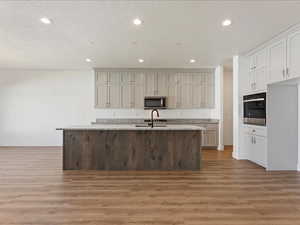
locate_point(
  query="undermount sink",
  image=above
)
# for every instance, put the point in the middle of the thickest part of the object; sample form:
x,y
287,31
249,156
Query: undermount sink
x,y
146,125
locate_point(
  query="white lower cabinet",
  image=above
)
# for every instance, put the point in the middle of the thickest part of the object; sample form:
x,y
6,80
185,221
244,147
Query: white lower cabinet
x,y
259,150
256,145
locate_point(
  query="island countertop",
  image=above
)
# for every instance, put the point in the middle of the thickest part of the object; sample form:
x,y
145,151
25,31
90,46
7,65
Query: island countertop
x,y
131,127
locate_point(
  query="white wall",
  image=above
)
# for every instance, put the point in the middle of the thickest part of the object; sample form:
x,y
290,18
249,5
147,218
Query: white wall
x,y
35,102
228,107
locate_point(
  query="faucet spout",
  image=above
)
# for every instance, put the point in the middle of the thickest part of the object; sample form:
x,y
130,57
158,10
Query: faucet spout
x,y
157,114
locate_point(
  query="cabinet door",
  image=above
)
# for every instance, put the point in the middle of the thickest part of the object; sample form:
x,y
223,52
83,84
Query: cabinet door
x,y
260,150
260,79
207,91
252,64
150,84
101,77
127,96
114,94
210,138
162,83
102,96
252,80
260,71
186,91
261,59
114,77
127,77
196,91
139,90
173,92
248,148
139,78
293,55
277,61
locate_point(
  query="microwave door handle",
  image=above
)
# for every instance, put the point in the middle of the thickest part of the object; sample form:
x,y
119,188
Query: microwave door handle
x,y
254,100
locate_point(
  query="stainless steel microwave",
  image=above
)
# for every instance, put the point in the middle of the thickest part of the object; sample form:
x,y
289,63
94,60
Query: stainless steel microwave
x,y
155,102
255,109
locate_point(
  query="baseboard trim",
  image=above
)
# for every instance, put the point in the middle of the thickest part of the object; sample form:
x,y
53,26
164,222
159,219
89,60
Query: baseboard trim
x,y
234,155
221,148
209,147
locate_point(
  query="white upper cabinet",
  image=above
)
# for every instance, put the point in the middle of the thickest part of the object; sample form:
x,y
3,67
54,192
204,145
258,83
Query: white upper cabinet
x,y
277,61
293,56
257,77
284,57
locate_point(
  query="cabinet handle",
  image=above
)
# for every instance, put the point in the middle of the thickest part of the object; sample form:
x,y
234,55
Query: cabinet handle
x,y
287,72
283,73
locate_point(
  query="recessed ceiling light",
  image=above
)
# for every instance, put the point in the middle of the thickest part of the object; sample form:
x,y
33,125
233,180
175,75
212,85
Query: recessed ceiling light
x,y
45,20
88,60
226,23
137,21
141,60
192,60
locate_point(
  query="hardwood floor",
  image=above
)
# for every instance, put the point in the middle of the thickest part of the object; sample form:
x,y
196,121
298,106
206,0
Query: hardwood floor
x,y
35,190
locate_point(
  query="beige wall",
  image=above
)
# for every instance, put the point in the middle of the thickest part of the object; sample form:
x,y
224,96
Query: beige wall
x,y
228,107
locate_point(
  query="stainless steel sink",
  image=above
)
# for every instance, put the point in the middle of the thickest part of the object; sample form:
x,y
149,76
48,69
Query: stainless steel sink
x,y
146,125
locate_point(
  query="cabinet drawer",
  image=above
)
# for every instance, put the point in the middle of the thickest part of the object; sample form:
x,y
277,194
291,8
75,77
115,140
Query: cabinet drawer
x,y
255,130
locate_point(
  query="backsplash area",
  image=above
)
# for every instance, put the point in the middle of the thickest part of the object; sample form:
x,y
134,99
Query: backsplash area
x,y
173,113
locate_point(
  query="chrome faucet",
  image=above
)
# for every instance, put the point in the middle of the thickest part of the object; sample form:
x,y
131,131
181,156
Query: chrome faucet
x,y
152,121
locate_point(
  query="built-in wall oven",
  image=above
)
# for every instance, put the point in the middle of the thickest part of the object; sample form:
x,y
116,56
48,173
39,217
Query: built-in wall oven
x,y
255,109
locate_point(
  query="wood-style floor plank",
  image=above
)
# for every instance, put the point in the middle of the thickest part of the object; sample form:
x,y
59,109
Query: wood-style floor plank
x,y
34,190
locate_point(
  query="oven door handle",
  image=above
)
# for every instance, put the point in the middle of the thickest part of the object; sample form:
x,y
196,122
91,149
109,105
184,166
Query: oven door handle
x,y
254,100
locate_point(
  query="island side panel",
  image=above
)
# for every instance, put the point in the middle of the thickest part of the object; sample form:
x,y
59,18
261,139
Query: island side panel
x,y
131,149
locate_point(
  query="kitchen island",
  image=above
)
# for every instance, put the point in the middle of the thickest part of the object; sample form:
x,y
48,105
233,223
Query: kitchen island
x,y
131,147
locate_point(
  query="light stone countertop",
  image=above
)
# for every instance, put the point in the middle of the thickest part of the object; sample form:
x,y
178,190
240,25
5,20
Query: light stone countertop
x,y
130,127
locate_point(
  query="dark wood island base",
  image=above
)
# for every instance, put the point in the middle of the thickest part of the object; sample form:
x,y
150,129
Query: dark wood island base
x,y
131,149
